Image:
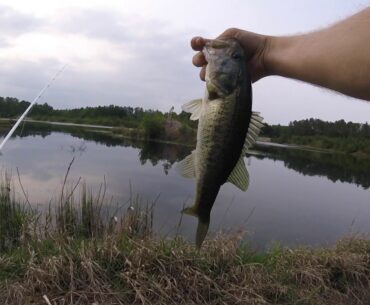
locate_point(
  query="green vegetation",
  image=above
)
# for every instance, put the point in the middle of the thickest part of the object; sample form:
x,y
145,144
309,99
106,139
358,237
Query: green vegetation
x,y
13,217
347,137
153,127
79,254
150,124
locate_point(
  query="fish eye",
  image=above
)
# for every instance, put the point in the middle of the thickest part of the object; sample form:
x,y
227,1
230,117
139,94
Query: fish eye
x,y
236,55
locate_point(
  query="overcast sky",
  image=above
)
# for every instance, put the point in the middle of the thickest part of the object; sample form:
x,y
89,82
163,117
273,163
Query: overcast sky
x,y
137,53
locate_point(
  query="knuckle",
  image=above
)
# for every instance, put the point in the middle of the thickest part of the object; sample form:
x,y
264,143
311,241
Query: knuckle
x,y
231,31
194,41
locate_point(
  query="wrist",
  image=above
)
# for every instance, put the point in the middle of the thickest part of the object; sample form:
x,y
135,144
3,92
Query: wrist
x,y
277,55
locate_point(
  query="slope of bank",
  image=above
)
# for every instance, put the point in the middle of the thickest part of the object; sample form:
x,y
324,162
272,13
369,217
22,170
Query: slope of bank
x,y
120,269
74,253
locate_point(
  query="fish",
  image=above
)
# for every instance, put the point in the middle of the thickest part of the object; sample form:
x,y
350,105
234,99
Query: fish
x,y
227,128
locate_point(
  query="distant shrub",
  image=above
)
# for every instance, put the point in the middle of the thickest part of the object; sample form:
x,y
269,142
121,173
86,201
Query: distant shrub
x,y
153,127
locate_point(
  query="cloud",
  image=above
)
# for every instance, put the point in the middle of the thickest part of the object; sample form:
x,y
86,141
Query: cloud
x,y
95,24
4,43
111,25
113,59
125,55
24,79
13,22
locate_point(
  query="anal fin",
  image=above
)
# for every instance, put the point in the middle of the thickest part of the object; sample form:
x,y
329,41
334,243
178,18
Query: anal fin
x,y
239,176
186,167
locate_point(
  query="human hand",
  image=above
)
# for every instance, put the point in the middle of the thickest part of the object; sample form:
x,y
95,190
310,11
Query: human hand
x,y
255,47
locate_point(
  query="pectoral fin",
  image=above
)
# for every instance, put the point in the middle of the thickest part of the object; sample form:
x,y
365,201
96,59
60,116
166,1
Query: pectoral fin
x,y
239,176
254,129
186,167
194,107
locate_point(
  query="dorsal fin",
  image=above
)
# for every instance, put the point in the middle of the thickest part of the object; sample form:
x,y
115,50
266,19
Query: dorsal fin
x,y
254,129
194,107
239,176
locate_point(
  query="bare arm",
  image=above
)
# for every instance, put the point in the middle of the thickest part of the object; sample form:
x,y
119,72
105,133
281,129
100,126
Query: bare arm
x,y
337,57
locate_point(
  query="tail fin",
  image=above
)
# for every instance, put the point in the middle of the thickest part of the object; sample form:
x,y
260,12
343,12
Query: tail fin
x,y
203,224
193,211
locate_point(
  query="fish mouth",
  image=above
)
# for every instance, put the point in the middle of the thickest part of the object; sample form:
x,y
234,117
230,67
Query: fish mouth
x,y
218,44
212,46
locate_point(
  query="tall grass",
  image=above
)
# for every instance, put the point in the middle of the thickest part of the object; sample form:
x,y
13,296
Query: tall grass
x,y
79,218
14,216
82,254
76,213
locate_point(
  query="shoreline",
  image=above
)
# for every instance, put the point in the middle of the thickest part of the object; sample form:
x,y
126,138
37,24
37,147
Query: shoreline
x,y
262,141
94,258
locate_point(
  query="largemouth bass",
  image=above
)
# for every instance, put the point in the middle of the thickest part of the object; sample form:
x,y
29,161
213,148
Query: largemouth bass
x,y
227,127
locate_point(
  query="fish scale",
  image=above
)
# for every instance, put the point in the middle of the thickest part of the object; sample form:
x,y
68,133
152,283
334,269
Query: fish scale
x,y
227,128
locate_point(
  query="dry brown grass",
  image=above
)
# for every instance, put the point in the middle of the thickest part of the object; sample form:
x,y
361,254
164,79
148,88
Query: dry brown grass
x,y
128,270
82,255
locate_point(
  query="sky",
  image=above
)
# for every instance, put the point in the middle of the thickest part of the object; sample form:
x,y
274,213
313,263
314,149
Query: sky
x,y
137,53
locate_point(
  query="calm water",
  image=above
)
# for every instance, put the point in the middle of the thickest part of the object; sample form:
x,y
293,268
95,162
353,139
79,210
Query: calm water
x,y
295,197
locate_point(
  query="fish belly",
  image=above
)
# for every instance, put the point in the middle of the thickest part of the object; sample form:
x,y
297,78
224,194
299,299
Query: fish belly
x,y
220,139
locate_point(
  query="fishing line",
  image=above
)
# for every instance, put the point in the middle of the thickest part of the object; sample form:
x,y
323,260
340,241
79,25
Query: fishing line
x,y
38,96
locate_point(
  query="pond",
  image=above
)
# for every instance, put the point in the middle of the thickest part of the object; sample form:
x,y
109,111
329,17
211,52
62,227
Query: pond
x,y
295,197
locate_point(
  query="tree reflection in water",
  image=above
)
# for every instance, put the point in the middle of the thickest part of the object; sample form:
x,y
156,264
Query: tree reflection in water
x,y
334,166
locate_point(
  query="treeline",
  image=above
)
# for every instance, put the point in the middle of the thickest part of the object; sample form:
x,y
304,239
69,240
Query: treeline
x,y
316,127
152,123
344,136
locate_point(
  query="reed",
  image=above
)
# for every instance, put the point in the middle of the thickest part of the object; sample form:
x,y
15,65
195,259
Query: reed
x,y
15,216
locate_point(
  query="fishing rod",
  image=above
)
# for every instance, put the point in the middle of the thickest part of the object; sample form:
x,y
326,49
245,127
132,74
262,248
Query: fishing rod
x,y
30,106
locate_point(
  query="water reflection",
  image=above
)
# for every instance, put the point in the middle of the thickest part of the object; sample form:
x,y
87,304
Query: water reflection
x,y
336,166
167,154
292,197
154,152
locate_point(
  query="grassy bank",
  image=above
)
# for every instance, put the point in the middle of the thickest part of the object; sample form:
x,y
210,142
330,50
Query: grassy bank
x,y
78,253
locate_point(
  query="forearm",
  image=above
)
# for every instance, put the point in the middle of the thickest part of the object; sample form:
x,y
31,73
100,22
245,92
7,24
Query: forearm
x,y
337,58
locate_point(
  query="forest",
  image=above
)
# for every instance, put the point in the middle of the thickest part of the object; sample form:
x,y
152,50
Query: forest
x,y
347,137
150,123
